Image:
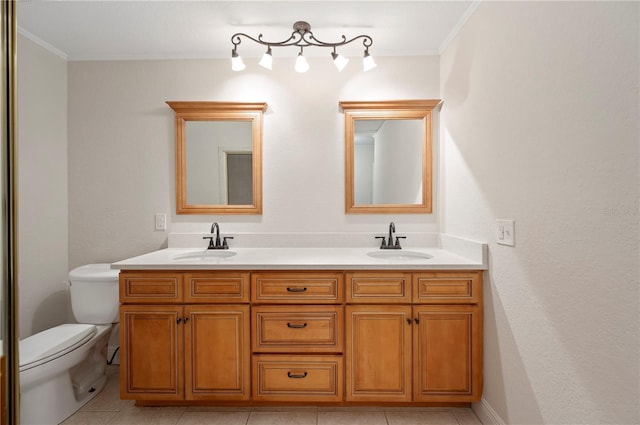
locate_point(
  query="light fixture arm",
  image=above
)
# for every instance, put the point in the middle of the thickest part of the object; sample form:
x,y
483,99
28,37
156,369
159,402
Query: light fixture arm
x,y
301,36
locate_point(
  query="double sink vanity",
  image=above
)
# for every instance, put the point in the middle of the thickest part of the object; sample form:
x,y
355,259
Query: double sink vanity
x,y
302,325
314,318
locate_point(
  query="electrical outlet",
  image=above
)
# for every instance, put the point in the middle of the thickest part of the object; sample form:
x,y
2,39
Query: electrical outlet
x,y
161,221
506,232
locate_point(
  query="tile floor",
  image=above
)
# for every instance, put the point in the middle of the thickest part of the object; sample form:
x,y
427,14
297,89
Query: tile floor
x,y
107,408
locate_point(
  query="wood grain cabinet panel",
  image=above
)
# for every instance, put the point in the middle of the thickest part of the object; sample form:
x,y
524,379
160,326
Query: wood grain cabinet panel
x,y
151,362
297,287
378,287
447,287
150,288
297,329
447,357
298,378
217,352
378,353
216,287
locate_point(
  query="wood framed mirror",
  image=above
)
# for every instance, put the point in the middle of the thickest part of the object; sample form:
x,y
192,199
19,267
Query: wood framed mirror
x,y
388,156
218,157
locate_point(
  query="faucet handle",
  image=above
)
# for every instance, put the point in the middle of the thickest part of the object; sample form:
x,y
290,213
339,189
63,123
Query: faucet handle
x,y
397,245
211,245
225,245
383,244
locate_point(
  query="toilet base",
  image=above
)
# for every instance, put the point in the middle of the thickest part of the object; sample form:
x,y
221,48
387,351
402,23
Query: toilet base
x,y
52,410
48,397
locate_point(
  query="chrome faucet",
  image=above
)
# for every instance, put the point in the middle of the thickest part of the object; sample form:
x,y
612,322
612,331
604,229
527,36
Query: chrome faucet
x,y
215,230
390,244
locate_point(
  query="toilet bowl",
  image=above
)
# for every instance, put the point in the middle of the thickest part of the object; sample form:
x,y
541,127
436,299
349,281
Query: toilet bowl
x,y
62,368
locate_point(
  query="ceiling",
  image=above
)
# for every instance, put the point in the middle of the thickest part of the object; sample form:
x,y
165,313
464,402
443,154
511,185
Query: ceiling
x,y
180,29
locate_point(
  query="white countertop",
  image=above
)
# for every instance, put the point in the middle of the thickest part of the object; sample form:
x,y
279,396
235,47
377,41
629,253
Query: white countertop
x,y
279,258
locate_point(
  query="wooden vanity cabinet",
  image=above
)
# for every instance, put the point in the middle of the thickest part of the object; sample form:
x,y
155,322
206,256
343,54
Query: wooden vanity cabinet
x,y
181,340
303,336
425,348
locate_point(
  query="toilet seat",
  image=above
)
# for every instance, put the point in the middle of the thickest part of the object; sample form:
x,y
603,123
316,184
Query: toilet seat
x,y
53,343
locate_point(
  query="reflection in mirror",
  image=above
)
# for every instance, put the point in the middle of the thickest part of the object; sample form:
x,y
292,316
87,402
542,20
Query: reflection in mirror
x,y
217,154
387,161
218,157
388,156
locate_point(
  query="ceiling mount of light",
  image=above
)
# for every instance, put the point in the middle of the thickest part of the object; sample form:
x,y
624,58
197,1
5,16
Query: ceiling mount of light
x,y
301,37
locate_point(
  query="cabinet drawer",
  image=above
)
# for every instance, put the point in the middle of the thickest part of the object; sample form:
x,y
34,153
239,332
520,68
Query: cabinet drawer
x,y
379,287
217,287
297,329
447,287
150,287
297,378
297,288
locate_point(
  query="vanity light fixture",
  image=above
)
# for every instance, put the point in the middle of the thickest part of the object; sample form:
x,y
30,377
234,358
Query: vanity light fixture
x,y
301,37
236,61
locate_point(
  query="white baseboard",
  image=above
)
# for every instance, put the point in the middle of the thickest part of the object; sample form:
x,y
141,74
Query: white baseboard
x,y
486,414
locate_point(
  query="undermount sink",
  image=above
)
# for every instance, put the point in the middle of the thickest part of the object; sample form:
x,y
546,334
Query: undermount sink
x,y
399,255
204,255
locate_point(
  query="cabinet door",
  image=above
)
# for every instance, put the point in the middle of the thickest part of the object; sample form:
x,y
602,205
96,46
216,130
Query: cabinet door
x,y
447,343
217,352
151,352
378,353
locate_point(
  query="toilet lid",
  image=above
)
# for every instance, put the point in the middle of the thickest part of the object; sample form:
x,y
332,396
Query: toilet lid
x,y
53,343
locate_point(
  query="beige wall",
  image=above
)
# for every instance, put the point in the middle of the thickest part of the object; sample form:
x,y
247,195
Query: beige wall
x,y
42,188
121,147
540,125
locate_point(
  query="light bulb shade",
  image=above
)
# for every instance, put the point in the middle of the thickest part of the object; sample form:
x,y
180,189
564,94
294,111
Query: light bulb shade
x,y
301,64
339,61
267,59
236,61
368,62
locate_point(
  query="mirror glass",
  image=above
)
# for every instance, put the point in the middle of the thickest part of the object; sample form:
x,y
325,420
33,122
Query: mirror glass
x,y
387,162
214,173
388,156
218,157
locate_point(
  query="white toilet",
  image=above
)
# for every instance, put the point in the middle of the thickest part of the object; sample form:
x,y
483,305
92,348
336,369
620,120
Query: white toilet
x,y
62,368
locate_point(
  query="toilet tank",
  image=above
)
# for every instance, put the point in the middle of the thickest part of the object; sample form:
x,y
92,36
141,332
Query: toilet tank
x,y
94,294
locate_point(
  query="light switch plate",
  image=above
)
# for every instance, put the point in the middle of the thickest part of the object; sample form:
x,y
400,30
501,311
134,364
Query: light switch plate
x,y
506,232
161,221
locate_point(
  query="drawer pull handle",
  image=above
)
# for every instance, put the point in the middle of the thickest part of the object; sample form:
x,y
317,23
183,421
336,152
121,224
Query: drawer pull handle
x,y
296,289
293,376
294,326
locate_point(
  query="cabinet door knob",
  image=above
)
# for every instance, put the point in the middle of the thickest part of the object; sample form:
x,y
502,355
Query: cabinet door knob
x,y
186,319
294,376
296,289
409,321
179,320
294,326
417,321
